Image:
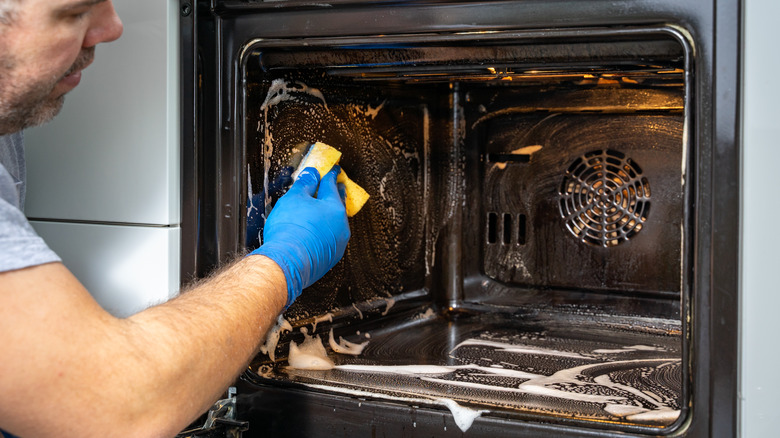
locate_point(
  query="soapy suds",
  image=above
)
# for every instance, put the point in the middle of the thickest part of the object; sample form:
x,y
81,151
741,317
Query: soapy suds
x,y
571,377
280,91
326,317
628,349
425,315
250,195
590,383
548,386
623,410
661,416
344,346
272,338
523,349
310,355
390,303
427,370
360,314
372,112
463,417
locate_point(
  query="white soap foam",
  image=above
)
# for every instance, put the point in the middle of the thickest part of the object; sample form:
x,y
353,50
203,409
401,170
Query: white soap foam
x,y
250,195
360,314
437,370
425,315
344,346
646,348
663,416
310,355
604,380
624,410
547,385
390,303
397,369
280,89
523,349
319,319
464,417
272,338
628,349
535,383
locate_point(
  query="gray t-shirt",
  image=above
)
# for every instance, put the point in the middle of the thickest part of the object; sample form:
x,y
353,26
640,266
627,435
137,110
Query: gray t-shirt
x,y
20,245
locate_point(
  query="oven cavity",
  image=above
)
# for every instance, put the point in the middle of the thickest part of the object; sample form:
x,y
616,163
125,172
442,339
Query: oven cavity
x,y
508,261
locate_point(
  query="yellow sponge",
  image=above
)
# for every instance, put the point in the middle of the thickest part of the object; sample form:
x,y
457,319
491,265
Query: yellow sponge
x,y
356,195
323,157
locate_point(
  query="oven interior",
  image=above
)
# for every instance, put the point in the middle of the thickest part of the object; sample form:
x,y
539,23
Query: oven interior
x,y
524,250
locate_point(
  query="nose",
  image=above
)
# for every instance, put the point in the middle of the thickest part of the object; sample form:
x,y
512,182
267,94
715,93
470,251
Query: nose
x,y
105,25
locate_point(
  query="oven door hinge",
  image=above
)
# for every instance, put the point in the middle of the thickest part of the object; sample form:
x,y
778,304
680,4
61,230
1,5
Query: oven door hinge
x,y
220,421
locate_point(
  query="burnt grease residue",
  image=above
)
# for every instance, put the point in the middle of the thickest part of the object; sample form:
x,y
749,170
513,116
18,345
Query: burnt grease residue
x,y
383,151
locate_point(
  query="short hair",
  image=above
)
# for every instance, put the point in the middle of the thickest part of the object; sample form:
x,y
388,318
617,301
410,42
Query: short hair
x,y
7,11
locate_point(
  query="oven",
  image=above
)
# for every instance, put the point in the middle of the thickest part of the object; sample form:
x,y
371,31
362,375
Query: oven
x,y
550,246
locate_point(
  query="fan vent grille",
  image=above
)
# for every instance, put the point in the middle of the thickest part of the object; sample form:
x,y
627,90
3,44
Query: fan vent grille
x,y
604,199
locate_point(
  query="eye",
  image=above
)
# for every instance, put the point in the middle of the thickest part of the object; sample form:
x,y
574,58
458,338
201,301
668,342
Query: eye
x,y
77,13
80,13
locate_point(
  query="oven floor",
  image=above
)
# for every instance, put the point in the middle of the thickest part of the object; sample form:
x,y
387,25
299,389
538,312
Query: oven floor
x,y
569,364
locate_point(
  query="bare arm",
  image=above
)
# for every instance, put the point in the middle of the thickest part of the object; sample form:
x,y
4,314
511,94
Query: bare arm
x,y
70,369
86,373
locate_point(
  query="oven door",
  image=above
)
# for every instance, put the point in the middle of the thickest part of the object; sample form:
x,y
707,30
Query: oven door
x,y
220,38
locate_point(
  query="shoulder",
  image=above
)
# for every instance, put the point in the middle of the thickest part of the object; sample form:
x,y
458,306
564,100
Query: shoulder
x,y
20,245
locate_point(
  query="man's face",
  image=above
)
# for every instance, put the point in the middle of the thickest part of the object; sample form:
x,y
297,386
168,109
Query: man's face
x,y
43,49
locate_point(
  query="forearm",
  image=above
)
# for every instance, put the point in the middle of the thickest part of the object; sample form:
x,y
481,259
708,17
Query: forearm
x,y
71,369
194,346
78,371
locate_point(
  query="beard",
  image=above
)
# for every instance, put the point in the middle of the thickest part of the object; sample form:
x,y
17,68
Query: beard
x,y
23,105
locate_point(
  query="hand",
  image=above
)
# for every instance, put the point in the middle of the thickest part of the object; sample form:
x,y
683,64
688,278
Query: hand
x,y
304,235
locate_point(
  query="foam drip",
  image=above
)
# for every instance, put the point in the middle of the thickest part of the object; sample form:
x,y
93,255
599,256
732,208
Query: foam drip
x,y
344,346
272,338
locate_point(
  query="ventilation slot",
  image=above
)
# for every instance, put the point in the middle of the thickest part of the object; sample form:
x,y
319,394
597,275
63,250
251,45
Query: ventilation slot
x,y
604,199
509,158
492,228
506,228
521,229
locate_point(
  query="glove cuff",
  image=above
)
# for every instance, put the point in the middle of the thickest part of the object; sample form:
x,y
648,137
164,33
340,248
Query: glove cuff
x,y
280,254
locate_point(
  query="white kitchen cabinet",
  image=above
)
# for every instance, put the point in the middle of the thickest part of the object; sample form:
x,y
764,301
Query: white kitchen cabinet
x,y
108,167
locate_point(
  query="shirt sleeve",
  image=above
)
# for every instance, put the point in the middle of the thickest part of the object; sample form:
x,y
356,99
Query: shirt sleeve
x,y
20,245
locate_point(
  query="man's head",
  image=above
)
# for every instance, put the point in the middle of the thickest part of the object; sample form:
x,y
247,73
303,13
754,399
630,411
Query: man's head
x,y
44,45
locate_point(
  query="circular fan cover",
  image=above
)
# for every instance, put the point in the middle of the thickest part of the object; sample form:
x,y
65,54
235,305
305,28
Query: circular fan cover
x,y
604,198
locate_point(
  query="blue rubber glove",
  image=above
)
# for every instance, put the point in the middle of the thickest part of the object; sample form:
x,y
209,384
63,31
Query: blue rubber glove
x,y
304,235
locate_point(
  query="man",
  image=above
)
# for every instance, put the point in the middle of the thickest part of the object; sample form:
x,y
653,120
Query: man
x,y
68,368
